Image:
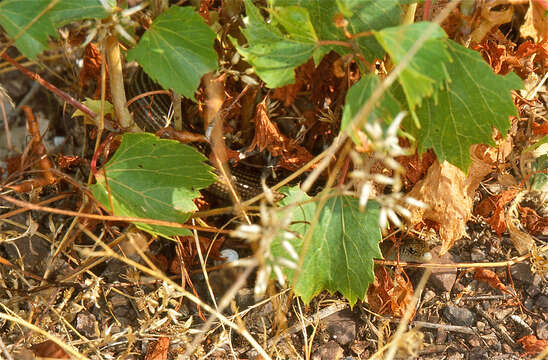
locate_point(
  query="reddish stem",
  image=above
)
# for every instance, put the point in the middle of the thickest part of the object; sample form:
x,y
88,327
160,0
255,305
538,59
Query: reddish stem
x,y
65,96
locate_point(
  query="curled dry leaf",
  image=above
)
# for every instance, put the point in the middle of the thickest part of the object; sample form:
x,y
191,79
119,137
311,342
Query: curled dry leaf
x,y
532,221
489,277
158,350
492,17
444,191
522,241
49,349
390,294
532,345
492,209
449,194
91,69
288,93
536,21
268,136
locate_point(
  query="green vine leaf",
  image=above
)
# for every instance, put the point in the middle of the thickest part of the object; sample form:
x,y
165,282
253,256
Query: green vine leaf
x,y
296,31
273,53
155,179
15,15
177,50
342,248
425,73
371,15
67,11
387,108
464,113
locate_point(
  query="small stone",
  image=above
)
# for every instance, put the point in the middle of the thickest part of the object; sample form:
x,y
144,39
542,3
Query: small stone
x,y
533,290
341,327
474,341
442,278
329,351
481,326
120,305
245,298
501,314
542,330
458,316
542,301
528,303
477,255
522,272
86,323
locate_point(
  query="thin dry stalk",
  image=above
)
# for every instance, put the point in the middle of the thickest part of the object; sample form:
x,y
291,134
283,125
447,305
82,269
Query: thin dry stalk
x,y
156,273
69,349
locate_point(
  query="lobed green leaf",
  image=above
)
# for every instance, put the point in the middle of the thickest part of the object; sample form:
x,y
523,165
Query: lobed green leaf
x,y
15,15
177,50
342,248
153,178
473,102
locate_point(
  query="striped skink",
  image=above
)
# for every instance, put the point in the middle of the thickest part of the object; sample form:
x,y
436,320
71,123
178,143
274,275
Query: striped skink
x,y
150,114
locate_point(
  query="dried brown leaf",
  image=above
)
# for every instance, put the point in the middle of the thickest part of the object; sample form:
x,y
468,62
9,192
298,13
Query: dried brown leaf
x,y
489,277
491,18
158,350
495,215
536,21
390,293
49,349
444,191
532,221
449,193
522,241
532,345
288,93
91,69
268,136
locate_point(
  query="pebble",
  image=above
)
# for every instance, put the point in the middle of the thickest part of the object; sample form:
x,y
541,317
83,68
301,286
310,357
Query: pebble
x,y
542,330
329,351
501,314
341,327
458,315
442,278
528,303
533,290
542,301
245,298
522,272
477,255
86,324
